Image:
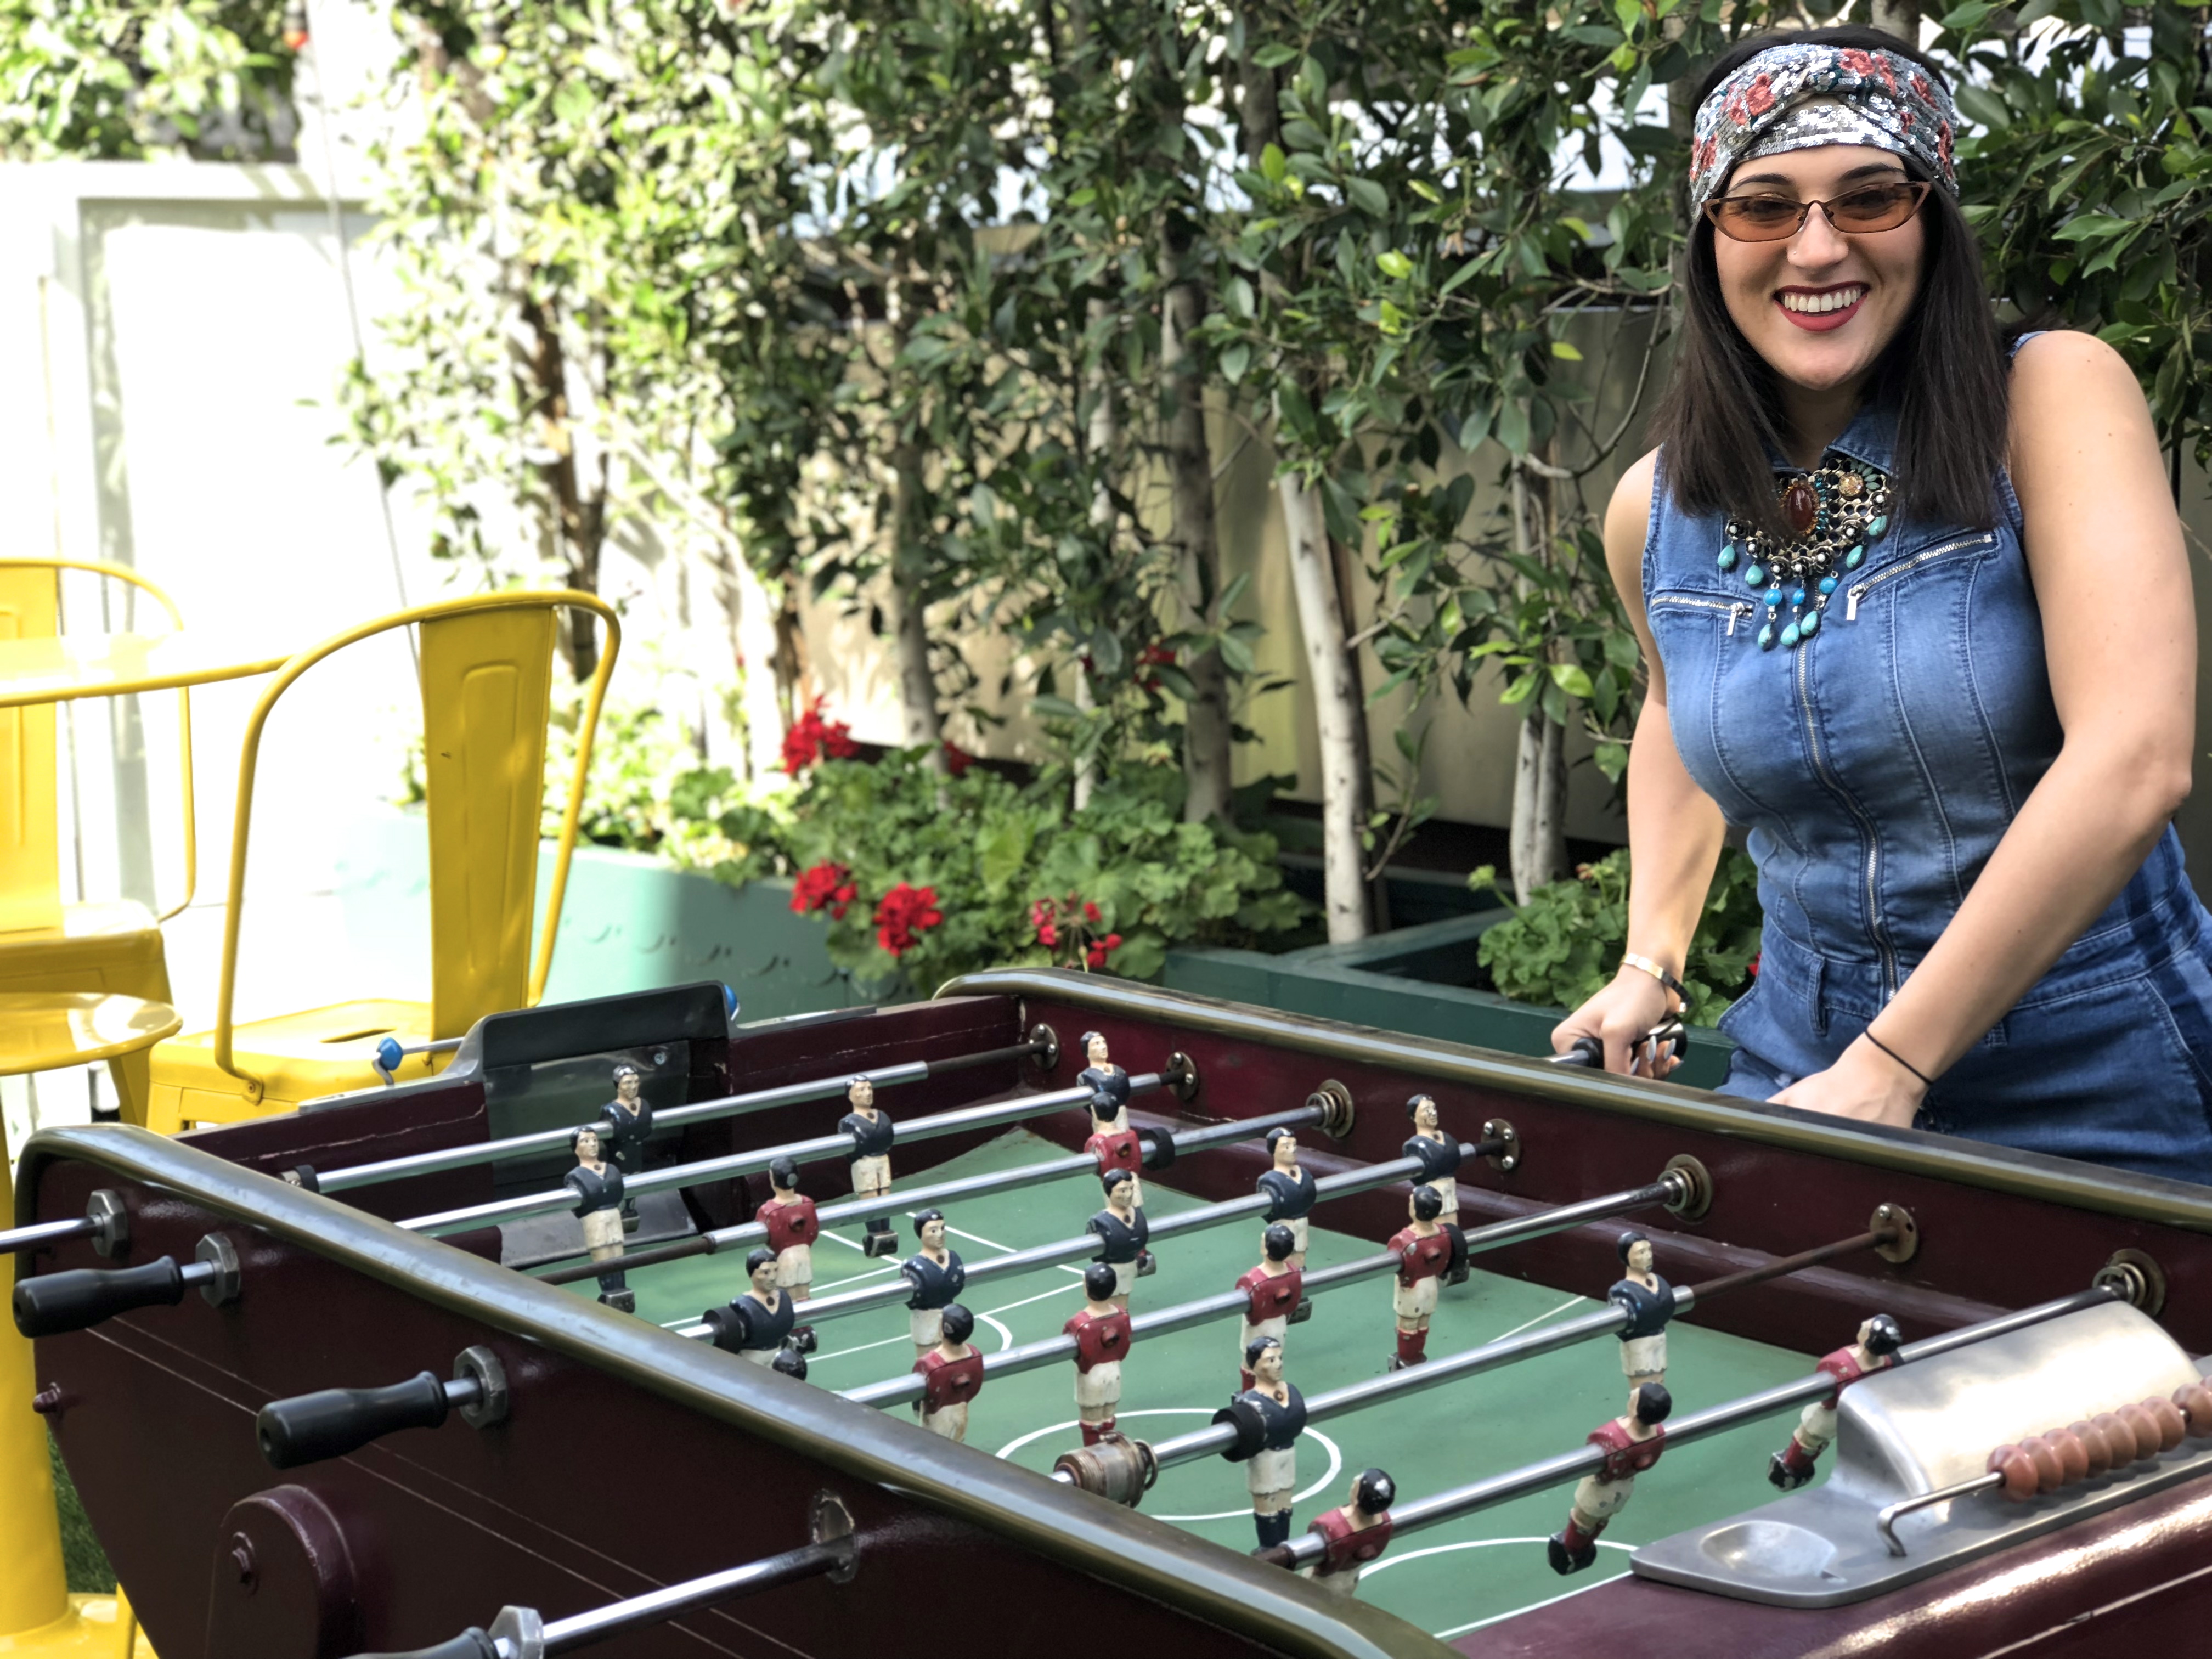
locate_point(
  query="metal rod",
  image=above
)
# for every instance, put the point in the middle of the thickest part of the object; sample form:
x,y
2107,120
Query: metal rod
x,y
803,1151
1585,1460
896,1290
1497,1236
564,1634
45,1232
759,1100
1507,1351
1886,1522
1057,1169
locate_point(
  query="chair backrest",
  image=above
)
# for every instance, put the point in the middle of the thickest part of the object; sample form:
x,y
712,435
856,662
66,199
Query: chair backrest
x,y
487,675
30,827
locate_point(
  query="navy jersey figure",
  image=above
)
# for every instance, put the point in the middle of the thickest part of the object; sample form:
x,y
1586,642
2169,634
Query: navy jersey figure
x,y
1874,1349
938,1277
1107,1083
1274,1288
1102,1336
1632,1443
1271,1472
951,1375
790,1362
1650,1301
1425,1252
625,1121
793,1227
1355,1535
1122,1232
1289,1190
1438,1152
599,1189
870,1160
757,1320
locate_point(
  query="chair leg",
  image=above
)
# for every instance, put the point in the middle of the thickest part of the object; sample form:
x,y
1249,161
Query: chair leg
x,y
133,1077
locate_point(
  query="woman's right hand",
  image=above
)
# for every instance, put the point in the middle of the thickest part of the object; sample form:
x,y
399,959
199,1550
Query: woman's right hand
x,y
1618,1016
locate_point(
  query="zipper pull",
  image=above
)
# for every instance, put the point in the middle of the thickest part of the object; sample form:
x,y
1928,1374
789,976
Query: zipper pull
x,y
1735,615
1851,602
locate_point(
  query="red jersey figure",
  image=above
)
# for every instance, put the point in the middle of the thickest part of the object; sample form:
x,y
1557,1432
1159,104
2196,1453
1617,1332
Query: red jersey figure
x,y
1425,1253
1632,1443
1101,1341
951,1375
1875,1349
1272,1289
1355,1535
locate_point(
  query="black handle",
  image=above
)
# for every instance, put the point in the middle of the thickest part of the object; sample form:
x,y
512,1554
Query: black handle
x,y
54,1302
469,1644
331,1423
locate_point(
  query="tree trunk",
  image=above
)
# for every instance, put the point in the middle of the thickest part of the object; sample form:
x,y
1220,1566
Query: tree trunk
x,y
1536,842
1344,568
1336,709
578,516
919,726
1102,434
1207,759
1900,17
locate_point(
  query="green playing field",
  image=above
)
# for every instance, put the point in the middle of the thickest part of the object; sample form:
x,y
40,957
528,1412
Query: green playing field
x,y
1448,1579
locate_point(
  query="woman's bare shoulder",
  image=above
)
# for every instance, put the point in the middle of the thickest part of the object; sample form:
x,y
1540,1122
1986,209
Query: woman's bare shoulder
x,y
1628,519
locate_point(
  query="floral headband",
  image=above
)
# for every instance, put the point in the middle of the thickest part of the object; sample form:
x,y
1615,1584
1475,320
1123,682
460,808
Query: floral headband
x,y
1800,95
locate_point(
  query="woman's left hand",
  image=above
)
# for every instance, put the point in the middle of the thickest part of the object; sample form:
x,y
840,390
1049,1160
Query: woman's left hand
x,y
1865,1084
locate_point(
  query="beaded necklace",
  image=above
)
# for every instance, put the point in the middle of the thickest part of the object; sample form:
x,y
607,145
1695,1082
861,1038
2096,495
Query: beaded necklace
x,y
1838,510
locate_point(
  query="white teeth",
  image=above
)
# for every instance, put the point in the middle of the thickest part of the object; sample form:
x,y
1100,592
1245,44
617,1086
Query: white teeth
x,y
1814,304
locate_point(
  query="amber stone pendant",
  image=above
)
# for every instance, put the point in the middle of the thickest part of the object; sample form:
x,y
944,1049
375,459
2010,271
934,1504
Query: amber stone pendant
x,y
1801,505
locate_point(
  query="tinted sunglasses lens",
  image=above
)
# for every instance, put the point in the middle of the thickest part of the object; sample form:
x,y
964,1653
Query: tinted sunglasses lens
x,y
1757,218
1879,207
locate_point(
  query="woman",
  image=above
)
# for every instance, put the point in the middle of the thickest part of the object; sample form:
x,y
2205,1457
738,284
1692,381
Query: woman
x,y
1919,619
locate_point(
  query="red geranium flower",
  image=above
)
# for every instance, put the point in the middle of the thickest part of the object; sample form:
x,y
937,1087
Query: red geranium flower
x,y
904,916
1751,967
957,759
812,737
827,884
1101,949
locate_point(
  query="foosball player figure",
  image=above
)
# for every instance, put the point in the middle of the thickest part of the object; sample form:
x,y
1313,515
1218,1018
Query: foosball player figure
x,y
757,1321
1101,1331
938,1277
1632,1443
1271,1472
1439,1153
1289,1190
1114,1149
1649,1302
599,1189
1873,1349
1275,1289
1425,1252
1355,1535
793,1227
952,1376
625,1123
870,1161
1122,1233
789,1361
1103,1078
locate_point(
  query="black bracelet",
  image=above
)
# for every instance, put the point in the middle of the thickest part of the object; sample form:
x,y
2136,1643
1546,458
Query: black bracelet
x,y
1926,1081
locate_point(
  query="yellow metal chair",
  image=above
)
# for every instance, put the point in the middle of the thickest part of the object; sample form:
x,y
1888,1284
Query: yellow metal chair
x,y
48,949
487,667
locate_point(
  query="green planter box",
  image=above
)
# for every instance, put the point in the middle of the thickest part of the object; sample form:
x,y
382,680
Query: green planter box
x,y
627,923
1414,980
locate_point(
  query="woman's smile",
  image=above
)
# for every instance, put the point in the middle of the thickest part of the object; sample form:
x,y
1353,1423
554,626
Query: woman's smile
x,y
1820,309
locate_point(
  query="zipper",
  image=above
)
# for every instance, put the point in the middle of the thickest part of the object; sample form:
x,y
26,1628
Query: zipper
x,y
1859,591
1873,872
1736,610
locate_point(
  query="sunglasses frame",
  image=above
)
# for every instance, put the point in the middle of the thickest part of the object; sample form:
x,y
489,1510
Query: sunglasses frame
x,y
1920,187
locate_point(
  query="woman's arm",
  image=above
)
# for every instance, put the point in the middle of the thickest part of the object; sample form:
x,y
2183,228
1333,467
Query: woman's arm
x,y
2103,549
1674,829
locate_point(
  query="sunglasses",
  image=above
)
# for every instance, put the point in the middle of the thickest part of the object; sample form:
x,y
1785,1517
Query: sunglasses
x,y
1858,212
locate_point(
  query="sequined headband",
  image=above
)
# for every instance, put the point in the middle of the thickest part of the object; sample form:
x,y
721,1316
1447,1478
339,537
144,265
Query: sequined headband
x,y
1800,95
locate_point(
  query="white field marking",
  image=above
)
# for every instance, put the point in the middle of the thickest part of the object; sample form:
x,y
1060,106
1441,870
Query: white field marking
x,y
1549,1600
977,1238
840,1239
1006,1336
891,1341
1517,1329
1336,1456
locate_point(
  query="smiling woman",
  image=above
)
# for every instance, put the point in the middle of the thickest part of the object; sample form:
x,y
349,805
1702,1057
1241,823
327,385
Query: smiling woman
x,y
1957,782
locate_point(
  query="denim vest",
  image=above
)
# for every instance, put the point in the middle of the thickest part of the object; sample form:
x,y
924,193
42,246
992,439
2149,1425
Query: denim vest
x,y
1875,766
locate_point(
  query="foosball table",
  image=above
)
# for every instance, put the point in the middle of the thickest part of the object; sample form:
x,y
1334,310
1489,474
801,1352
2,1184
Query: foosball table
x,y
1051,1312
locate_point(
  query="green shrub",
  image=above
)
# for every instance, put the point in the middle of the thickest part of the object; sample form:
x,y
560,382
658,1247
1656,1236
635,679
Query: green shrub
x,y
1564,946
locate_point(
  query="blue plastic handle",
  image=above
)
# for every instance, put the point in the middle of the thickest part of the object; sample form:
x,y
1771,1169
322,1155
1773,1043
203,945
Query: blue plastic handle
x,y
730,1001
389,1053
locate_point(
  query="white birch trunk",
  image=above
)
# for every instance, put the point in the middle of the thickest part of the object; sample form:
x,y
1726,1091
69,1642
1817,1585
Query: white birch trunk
x,y
1336,709
919,724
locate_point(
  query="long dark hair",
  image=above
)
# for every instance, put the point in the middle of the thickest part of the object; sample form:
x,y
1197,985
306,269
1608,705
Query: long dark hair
x,y
1721,410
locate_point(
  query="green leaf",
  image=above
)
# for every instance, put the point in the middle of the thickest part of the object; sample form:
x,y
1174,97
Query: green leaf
x,y
1235,360
1273,165
1513,429
1395,263
1368,197
1274,55
1565,351
1571,678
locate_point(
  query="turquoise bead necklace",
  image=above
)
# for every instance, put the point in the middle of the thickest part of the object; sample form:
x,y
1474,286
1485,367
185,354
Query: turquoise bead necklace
x,y
1838,510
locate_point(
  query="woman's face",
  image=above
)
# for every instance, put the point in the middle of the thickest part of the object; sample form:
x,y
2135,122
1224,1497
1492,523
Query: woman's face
x,y
1821,306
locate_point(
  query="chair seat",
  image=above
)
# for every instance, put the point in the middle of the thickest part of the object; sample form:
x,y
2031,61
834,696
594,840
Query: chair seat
x,y
92,943
297,1057
45,1030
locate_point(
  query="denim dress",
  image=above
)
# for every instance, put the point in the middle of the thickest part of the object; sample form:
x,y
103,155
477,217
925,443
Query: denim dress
x,y
1875,766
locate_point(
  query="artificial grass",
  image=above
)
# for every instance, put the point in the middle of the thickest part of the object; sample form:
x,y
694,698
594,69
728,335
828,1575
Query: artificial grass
x,y
89,1573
